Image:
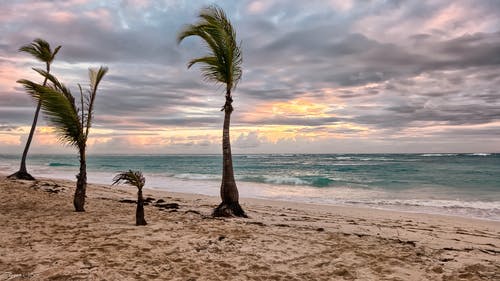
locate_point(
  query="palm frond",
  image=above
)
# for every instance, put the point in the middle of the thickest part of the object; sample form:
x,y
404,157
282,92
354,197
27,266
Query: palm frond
x,y
58,85
130,177
59,111
211,69
40,49
56,50
223,64
81,109
95,77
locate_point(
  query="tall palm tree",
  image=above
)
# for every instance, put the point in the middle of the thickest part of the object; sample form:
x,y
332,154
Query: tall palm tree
x,y
72,123
41,50
221,65
136,179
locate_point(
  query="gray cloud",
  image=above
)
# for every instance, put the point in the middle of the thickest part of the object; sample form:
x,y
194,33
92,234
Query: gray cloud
x,y
297,121
8,128
388,63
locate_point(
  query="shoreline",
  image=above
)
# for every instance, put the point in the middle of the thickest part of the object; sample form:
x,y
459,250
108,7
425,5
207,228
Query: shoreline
x,y
45,239
304,206
264,191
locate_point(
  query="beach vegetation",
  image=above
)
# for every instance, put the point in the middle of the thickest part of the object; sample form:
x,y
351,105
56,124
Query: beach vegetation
x,y
134,178
222,65
72,123
41,50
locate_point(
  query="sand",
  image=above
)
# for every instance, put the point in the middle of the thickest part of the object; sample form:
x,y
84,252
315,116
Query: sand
x,y
42,238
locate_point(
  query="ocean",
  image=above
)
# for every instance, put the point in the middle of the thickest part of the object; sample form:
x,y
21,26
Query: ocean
x,y
466,185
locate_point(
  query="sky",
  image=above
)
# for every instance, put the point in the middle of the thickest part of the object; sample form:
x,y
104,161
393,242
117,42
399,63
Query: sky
x,y
331,76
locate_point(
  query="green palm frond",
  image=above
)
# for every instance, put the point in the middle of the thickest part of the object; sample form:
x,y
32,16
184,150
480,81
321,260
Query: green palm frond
x,y
223,63
58,105
211,69
59,111
56,50
130,177
40,49
58,85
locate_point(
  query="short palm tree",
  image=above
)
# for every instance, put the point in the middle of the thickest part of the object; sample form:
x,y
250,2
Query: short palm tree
x,y
72,123
134,178
41,50
221,65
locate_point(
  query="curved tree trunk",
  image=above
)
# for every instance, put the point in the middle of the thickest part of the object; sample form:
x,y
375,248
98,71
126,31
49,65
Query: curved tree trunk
x,y
139,214
23,172
81,184
228,190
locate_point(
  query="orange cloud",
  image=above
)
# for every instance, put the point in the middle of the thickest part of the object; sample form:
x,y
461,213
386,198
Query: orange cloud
x,y
295,108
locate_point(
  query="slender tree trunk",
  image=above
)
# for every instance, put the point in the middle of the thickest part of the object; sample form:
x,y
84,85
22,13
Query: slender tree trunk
x,y
228,190
81,184
139,214
23,172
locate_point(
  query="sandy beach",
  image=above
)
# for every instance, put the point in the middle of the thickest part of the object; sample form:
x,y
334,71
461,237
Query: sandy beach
x,y
42,238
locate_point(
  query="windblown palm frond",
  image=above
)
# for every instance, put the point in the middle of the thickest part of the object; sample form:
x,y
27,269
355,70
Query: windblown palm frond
x,y
58,85
223,64
95,76
60,111
41,50
130,177
58,104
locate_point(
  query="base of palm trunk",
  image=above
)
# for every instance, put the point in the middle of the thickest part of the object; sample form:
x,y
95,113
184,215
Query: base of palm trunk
x,y
79,209
79,203
21,175
139,215
232,209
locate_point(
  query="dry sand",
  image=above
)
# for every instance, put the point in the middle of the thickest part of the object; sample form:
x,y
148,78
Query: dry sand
x,y
42,238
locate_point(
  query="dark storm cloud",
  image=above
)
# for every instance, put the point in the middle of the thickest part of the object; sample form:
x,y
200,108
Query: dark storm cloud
x,y
16,99
471,132
355,59
17,115
346,94
478,49
104,34
183,121
404,116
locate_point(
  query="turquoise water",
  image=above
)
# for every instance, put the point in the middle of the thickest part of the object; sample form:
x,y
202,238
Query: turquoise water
x,y
456,184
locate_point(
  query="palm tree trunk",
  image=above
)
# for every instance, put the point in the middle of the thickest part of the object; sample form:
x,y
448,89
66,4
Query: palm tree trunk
x,y
139,214
81,184
23,172
228,190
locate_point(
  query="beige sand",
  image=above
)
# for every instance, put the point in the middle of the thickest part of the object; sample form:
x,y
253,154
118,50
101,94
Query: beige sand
x,y
41,238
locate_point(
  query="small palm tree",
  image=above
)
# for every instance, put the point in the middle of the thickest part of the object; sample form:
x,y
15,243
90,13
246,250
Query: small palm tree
x,y
134,178
221,65
72,123
41,50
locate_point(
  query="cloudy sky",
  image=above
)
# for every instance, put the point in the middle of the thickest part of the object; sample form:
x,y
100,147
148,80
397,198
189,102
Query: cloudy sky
x,y
330,76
